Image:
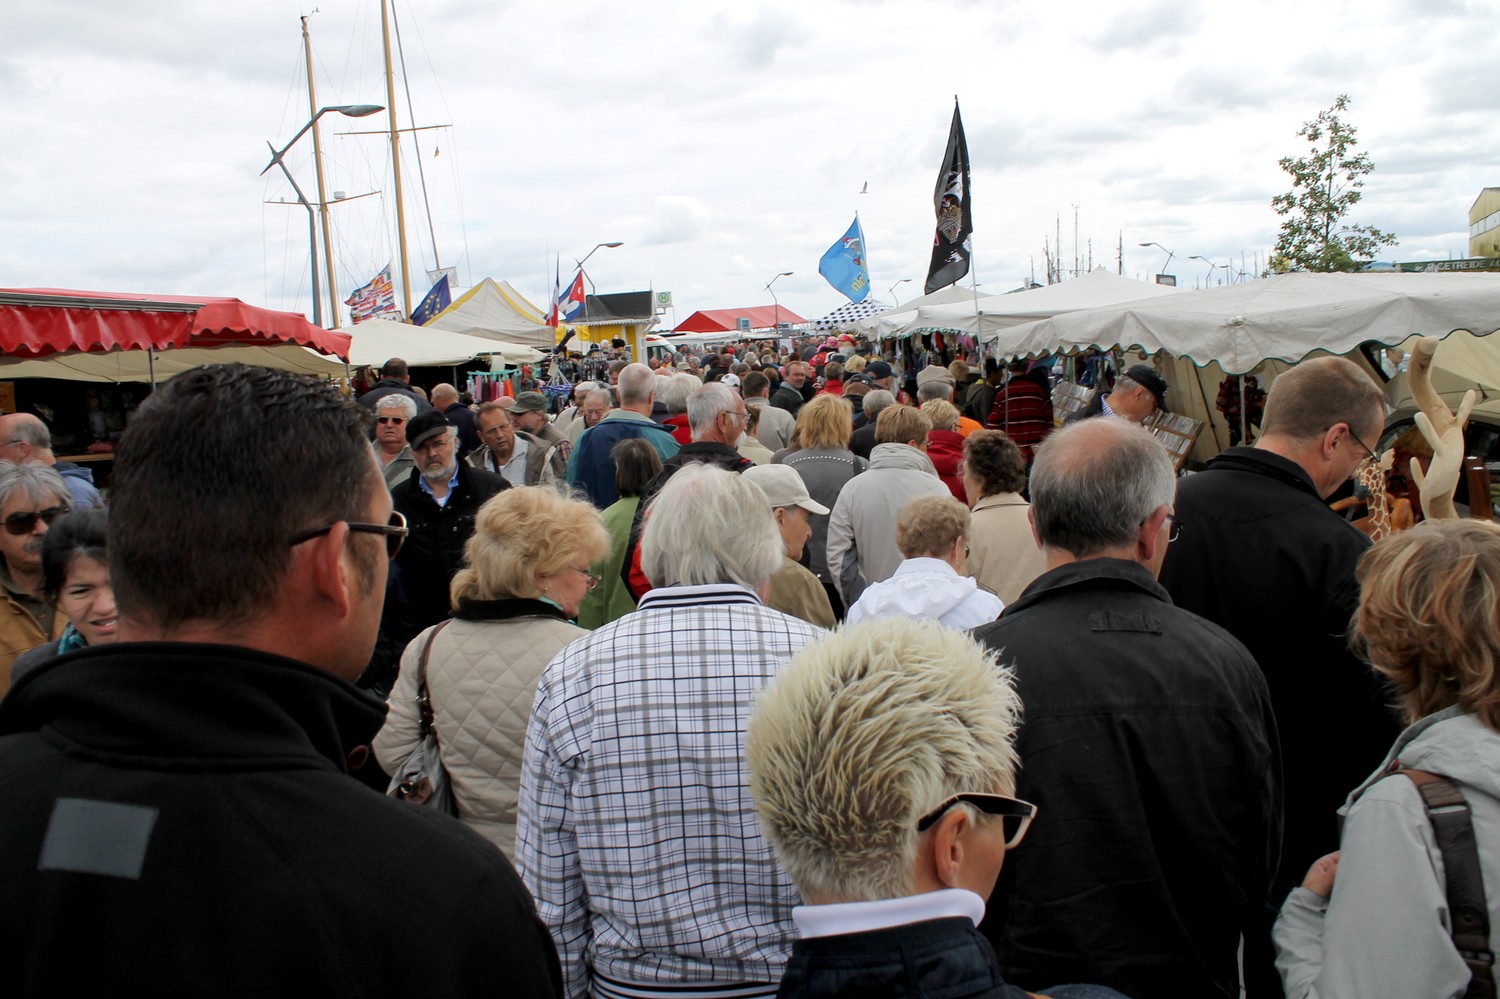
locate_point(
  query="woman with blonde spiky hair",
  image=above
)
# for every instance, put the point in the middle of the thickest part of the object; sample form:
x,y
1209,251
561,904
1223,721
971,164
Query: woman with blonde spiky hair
x,y
882,766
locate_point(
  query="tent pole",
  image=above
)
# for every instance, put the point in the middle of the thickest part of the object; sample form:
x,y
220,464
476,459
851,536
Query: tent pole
x,y
151,365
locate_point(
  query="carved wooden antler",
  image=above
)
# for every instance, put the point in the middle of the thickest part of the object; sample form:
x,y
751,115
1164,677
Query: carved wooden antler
x,y
1444,432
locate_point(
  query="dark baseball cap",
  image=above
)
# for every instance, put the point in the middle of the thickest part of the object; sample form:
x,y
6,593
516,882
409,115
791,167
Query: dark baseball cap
x,y
425,426
878,369
1145,375
530,402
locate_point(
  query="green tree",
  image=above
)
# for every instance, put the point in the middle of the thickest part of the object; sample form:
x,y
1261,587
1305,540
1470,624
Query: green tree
x,y
1315,235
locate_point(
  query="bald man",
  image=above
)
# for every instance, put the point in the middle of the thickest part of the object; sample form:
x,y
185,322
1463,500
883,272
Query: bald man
x,y
25,438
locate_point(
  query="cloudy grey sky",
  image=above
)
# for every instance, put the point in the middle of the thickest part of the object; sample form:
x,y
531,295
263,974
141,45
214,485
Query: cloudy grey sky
x,y
723,143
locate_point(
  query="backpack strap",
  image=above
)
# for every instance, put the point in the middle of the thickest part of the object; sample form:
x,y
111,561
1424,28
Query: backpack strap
x,y
1468,908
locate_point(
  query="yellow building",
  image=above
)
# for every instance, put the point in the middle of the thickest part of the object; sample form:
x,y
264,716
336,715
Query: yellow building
x,y
1484,224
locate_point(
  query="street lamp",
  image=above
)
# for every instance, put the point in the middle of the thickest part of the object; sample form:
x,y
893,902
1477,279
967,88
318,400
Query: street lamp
x,y
891,291
1211,266
775,299
596,249
352,111
1170,254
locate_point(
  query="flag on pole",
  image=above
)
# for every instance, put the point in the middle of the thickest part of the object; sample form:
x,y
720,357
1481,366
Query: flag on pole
x,y
554,319
955,217
845,266
571,304
378,298
438,298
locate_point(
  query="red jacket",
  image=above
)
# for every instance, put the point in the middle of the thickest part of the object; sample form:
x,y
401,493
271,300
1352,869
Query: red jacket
x,y
1023,410
681,432
946,449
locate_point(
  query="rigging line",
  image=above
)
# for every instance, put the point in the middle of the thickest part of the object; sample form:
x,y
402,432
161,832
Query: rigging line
x,y
416,145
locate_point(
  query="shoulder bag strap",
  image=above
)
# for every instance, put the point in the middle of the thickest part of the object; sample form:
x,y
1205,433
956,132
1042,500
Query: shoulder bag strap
x,y
1453,826
424,697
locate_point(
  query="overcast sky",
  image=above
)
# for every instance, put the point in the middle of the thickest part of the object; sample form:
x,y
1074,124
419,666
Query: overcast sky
x,y
722,143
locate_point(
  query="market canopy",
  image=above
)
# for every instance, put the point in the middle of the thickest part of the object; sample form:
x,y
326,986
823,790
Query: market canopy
x,y
1285,318
885,324
846,315
987,317
762,317
40,322
376,341
496,310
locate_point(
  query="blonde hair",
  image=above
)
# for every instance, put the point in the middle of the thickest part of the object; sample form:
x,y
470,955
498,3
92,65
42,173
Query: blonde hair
x,y
1429,617
930,525
901,425
825,421
523,532
863,733
855,365
942,413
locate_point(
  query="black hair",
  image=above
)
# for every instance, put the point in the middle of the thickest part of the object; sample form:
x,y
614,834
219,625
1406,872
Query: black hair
x,y
219,469
636,463
82,532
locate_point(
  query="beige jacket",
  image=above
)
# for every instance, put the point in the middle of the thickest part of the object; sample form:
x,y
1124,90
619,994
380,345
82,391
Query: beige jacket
x,y
19,630
482,675
796,591
1003,556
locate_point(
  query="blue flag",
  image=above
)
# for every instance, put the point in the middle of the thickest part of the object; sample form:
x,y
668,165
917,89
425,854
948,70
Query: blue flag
x,y
844,264
436,300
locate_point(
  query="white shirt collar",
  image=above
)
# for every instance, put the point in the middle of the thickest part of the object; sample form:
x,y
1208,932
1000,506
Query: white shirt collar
x,y
864,917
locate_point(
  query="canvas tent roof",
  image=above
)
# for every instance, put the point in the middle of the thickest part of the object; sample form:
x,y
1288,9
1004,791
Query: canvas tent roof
x,y
376,341
762,317
998,312
496,310
846,315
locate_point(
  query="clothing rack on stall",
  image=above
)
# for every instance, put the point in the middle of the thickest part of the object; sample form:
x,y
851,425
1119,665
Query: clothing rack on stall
x,y
490,386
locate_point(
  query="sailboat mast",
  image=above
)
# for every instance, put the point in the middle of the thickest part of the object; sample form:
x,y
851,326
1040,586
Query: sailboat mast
x,y
312,112
390,103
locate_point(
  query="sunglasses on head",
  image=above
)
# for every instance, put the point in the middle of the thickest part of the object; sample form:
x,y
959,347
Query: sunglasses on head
x,y
1015,814
395,532
24,522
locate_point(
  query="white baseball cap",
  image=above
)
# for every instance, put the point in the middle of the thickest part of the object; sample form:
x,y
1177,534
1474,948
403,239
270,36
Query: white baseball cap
x,y
783,487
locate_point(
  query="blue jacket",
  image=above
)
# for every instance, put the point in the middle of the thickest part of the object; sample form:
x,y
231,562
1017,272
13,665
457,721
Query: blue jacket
x,y
946,957
591,465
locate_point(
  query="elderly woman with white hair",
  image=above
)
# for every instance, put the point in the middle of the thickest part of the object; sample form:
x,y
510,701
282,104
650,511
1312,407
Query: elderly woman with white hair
x,y
637,835
883,771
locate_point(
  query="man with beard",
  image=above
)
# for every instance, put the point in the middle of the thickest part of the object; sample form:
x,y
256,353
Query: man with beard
x,y
439,499
32,496
515,455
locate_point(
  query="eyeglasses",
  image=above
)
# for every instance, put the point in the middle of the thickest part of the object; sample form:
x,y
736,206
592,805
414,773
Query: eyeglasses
x,y
1015,814
1369,455
593,577
1176,527
395,532
397,420
24,522
438,443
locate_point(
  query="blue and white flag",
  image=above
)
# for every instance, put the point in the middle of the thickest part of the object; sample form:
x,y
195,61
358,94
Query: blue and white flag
x,y
436,300
845,266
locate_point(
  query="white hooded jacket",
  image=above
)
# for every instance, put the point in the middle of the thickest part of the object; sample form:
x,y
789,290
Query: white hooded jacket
x,y
928,588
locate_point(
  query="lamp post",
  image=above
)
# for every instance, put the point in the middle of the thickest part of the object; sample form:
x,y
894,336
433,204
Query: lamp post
x,y
775,299
891,291
352,111
1211,266
1168,261
596,249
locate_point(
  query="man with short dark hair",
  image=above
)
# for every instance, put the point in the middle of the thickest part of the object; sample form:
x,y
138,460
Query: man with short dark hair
x,y
1264,557
515,455
776,424
981,392
440,499
790,395
1148,743
394,377
188,787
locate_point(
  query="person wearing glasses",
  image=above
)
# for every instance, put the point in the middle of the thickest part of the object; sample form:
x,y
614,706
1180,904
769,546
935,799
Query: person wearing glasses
x,y
32,498
196,773
75,581
1265,558
1149,744
392,413
526,571
883,769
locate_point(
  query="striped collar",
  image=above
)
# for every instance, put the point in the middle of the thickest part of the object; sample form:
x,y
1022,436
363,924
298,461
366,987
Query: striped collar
x,y
706,595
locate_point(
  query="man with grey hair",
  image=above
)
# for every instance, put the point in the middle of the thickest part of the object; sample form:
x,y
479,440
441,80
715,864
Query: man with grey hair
x,y
392,413
32,496
590,467
636,832
862,441
1149,743
574,409
25,438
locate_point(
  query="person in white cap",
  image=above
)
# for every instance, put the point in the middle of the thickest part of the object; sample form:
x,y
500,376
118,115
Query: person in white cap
x,y
794,589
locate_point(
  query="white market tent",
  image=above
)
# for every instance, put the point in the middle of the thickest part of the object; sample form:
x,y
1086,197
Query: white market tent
x,y
887,323
496,310
375,341
998,312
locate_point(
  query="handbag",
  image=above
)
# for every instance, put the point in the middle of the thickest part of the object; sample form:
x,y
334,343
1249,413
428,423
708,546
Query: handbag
x,y
420,779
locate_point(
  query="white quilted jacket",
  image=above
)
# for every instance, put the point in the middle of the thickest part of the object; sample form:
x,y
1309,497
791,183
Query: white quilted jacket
x,y
482,676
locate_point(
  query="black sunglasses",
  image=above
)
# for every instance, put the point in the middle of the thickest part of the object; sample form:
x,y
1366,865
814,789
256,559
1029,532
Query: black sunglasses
x,y
25,521
1015,814
395,532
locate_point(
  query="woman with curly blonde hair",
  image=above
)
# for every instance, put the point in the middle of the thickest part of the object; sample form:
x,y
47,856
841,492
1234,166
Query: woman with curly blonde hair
x,y
1381,917
527,569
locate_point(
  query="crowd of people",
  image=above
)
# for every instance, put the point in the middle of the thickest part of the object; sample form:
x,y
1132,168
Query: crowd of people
x,y
806,672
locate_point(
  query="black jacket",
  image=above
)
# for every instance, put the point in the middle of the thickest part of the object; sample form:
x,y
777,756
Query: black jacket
x,y
385,387
696,453
178,821
938,957
463,418
436,535
787,398
862,441
1261,555
1149,749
